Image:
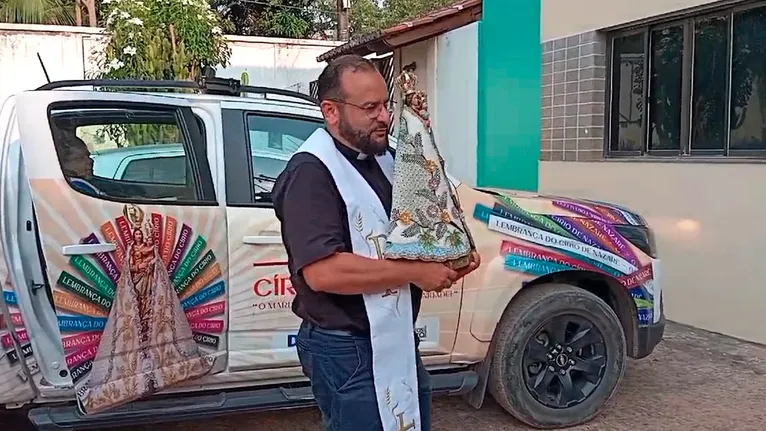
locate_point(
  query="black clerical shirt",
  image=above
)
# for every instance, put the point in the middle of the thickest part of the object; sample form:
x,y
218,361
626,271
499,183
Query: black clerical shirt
x,y
315,226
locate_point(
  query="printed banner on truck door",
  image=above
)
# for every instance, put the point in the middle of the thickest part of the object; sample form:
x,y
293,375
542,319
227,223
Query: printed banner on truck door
x,y
149,315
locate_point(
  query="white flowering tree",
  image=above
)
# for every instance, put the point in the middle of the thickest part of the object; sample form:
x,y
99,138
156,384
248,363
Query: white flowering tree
x,y
161,39
157,39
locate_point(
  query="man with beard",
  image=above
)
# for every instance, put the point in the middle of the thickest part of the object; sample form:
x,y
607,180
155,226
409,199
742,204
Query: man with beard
x,y
326,200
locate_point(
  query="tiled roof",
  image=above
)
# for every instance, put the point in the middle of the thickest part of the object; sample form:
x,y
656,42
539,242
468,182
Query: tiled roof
x,y
433,24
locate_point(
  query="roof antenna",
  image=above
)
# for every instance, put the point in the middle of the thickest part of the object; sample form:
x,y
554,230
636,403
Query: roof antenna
x,y
43,66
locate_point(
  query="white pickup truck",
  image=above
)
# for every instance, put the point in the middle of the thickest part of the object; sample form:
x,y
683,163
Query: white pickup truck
x,y
138,238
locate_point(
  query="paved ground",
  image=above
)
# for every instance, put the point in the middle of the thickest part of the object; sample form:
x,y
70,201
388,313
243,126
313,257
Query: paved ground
x,y
695,380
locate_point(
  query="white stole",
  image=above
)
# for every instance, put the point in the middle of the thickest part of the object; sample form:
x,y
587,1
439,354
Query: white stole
x,y
390,314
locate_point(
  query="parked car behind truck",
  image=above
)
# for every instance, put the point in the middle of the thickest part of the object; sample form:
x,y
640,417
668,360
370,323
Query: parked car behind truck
x,y
164,294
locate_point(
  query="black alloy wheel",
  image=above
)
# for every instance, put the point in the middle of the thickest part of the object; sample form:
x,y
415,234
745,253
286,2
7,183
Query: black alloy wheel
x,y
558,356
565,361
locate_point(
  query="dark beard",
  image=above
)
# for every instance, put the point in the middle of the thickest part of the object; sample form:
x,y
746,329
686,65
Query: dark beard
x,y
362,140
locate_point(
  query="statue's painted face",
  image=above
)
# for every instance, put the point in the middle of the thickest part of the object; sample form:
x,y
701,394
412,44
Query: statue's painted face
x,y
417,101
138,236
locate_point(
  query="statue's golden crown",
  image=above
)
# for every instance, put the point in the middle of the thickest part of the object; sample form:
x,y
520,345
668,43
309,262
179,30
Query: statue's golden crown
x,y
133,214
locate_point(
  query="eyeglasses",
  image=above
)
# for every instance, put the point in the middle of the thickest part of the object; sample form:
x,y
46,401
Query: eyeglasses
x,y
372,111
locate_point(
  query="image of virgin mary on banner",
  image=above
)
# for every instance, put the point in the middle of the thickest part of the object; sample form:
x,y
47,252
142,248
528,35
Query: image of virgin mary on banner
x,y
427,222
147,344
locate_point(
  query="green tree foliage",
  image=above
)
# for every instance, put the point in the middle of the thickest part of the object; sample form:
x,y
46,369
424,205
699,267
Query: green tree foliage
x,y
397,11
161,39
276,18
158,39
315,18
55,12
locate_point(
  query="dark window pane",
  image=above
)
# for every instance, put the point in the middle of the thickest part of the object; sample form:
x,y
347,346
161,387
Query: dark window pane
x,y
709,89
162,170
665,89
273,140
124,152
628,93
748,81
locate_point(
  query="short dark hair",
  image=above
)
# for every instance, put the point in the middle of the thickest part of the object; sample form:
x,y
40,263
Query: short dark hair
x,y
328,84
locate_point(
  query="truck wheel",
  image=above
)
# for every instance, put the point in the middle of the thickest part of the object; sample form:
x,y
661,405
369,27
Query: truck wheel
x,y
559,356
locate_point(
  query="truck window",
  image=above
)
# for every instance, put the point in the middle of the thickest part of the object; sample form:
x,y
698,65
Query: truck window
x,y
134,153
272,141
163,170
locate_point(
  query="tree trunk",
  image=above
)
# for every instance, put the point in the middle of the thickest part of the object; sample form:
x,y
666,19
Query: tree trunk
x,y
78,13
90,5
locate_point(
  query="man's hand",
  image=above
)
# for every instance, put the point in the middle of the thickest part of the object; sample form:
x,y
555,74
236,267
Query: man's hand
x,y
432,276
435,277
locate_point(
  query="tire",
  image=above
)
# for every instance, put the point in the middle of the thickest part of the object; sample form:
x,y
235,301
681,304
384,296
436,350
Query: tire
x,y
528,320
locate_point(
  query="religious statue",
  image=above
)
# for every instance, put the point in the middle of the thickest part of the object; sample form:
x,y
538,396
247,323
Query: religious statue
x,y
427,222
147,344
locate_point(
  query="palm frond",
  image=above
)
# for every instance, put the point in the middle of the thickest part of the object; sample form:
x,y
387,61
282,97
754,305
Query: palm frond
x,y
56,12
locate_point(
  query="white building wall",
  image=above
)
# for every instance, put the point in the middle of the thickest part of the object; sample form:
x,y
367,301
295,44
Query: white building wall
x,y
276,62
68,53
708,222
457,86
447,70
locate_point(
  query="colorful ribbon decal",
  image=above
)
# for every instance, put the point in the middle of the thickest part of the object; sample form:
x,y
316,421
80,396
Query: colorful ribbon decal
x,y
81,323
180,249
204,295
532,266
13,356
503,211
207,339
214,326
576,231
543,221
79,341
7,339
191,257
208,310
579,209
187,279
76,305
547,239
10,298
99,280
124,229
81,371
521,250
78,287
157,231
110,235
16,320
611,238
203,280
572,253
645,316
168,239
628,214
638,298
104,260
77,358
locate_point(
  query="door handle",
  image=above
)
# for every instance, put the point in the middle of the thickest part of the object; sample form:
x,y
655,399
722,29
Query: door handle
x,y
262,239
80,249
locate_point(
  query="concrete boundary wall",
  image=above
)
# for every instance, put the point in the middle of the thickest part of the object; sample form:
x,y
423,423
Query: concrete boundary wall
x,y
71,53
